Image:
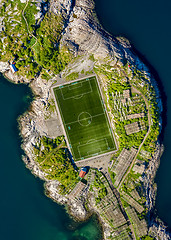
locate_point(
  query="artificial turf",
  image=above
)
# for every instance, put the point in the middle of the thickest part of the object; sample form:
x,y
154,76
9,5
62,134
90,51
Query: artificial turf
x,y
84,118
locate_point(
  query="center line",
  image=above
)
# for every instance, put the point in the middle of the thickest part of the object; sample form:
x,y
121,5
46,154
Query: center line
x,y
84,119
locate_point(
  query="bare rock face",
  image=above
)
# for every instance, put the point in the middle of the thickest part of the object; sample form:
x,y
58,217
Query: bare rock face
x,y
159,231
63,6
84,31
148,180
51,190
77,210
4,66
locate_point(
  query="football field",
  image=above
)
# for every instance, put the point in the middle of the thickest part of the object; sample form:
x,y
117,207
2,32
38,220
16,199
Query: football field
x,y
84,118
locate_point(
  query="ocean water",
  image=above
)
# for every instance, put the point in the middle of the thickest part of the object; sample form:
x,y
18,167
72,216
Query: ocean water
x,y
25,212
147,25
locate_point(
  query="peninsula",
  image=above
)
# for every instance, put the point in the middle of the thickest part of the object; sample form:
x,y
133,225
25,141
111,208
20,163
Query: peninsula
x,y
92,130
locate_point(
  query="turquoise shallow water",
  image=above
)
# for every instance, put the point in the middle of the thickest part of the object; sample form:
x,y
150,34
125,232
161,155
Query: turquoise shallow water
x,y
25,212
147,25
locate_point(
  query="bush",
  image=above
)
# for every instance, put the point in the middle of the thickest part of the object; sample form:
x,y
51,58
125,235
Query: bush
x,y
55,162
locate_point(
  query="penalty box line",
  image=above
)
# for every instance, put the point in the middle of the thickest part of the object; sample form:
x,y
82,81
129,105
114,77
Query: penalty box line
x,y
59,110
81,94
74,85
90,141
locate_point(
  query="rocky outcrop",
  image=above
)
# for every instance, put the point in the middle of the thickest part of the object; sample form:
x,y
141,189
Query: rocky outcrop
x,y
84,31
4,66
148,180
157,228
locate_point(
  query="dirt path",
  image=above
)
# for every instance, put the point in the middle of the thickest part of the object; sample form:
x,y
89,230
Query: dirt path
x,y
54,150
149,129
27,23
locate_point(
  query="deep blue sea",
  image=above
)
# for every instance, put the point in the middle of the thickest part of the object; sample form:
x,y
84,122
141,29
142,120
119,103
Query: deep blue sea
x,y
147,25
25,212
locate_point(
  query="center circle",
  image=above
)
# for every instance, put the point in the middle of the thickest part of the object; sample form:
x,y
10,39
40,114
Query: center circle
x,y
84,118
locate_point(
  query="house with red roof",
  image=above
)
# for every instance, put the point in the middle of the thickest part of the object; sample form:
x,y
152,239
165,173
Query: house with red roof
x,y
83,172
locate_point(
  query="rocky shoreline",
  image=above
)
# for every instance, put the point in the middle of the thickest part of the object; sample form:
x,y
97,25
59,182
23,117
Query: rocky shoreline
x,y
84,36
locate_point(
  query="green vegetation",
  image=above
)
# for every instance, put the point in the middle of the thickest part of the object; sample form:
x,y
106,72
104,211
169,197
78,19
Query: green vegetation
x,y
147,238
50,108
119,79
91,57
112,175
141,82
53,160
36,48
47,53
99,185
45,75
30,11
72,76
116,86
82,71
85,121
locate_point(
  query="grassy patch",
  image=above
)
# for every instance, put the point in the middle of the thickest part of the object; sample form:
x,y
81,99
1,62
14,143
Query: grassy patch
x,y
18,44
53,159
72,76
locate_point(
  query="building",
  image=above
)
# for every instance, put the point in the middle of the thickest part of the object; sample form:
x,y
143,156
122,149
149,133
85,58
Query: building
x,y
83,172
13,68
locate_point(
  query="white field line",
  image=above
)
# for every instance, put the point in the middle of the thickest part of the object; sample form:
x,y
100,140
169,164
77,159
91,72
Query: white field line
x,y
84,78
107,145
74,85
116,144
99,151
85,119
95,155
79,152
70,145
94,141
98,156
105,112
76,96
62,122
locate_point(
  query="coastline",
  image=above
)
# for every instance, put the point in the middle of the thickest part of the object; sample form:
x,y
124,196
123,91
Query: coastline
x,y
32,126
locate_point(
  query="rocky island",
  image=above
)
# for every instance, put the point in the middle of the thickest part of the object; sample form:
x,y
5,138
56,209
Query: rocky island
x,y
56,43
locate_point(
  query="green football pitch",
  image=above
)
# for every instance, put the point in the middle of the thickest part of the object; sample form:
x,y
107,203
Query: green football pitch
x,y
84,118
